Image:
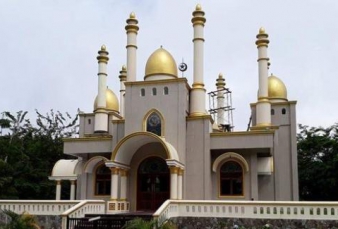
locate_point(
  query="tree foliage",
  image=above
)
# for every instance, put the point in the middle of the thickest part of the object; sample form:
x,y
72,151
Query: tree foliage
x,y
318,163
29,151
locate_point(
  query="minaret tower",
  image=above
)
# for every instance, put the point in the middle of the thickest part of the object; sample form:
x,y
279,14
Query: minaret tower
x,y
101,115
197,94
123,78
220,85
131,29
263,107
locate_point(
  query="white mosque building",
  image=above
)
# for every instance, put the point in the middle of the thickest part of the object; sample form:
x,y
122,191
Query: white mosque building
x,y
157,141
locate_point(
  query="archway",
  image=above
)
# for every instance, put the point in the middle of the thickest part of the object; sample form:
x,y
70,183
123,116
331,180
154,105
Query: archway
x,y
153,183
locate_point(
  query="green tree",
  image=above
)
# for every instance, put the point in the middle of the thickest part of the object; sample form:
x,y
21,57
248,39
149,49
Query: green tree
x,y
139,223
29,152
318,163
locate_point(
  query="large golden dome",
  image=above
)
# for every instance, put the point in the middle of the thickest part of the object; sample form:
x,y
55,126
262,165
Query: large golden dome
x,y
112,103
160,65
276,89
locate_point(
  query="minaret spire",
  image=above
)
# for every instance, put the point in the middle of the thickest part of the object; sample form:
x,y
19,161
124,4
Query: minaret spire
x,y
123,78
263,107
220,85
101,115
197,95
131,29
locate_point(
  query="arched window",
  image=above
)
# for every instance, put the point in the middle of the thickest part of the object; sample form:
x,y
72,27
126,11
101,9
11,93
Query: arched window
x,y
102,180
166,91
272,112
154,124
154,91
231,179
283,111
143,92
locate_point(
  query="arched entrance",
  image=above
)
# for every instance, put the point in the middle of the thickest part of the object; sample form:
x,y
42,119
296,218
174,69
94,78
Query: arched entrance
x,y
153,183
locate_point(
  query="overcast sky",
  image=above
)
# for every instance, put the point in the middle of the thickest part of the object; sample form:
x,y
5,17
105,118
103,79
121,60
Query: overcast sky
x,y
48,50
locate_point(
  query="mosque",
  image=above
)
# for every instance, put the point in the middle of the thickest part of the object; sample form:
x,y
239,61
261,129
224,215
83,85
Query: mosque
x,y
157,141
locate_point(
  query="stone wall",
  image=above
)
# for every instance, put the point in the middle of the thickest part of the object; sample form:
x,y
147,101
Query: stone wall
x,y
44,221
231,223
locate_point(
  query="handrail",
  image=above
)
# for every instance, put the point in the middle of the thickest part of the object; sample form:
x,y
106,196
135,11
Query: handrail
x,y
82,208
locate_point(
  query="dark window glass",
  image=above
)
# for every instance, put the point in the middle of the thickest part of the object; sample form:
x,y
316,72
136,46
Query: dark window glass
x,y
154,91
166,90
154,124
143,92
272,112
102,180
283,111
89,121
231,179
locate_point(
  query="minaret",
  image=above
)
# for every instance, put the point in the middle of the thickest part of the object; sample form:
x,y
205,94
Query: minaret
x,y
131,29
220,84
263,107
101,115
197,95
123,78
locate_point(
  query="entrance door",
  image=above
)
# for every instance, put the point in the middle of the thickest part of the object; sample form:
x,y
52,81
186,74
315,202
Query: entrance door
x,y
153,184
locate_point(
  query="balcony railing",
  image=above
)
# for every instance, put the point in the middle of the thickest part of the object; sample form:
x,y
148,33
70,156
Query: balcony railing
x,y
248,209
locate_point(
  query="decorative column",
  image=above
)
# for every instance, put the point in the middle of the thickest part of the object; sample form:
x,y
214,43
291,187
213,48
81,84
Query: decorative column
x,y
114,183
124,182
72,190
58,190
220,84
180,184
131,29
263,107
123,78
197,94
173,182
101,115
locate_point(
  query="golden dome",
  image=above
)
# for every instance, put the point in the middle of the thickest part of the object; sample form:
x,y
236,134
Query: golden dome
x,y
276,89
112,103
161,62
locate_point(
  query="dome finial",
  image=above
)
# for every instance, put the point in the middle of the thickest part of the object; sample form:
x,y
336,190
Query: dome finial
x,y
198,7
103,48
132,15
124,68
262,30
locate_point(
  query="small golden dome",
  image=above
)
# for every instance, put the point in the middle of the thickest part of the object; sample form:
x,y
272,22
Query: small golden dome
x,y
161,62
112,103
103,48
276,89
124,68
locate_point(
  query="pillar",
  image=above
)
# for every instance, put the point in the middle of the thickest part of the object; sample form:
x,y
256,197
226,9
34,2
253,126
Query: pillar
x,y
197,94
220,84
123,78
124,182
263,107
180,184
173,182
101,115
72,190
114,183
131,29
58,190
